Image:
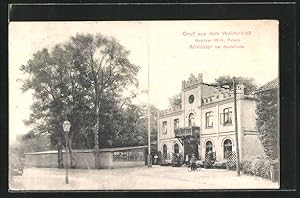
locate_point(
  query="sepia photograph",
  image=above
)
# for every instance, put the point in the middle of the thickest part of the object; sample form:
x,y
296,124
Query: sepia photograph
x,y
144,105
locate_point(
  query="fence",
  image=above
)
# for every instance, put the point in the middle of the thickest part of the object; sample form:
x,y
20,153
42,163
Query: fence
x,y
210,158
231,160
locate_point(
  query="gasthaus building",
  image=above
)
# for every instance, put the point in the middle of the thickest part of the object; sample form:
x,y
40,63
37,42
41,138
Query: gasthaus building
x,y
204,123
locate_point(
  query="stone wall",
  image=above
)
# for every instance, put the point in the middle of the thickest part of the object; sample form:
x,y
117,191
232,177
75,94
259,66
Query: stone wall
x,y
83,159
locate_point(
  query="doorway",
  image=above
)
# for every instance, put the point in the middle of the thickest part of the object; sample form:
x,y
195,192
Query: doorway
x,y
190,147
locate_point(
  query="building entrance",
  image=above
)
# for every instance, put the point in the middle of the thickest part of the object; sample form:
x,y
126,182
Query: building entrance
x,y
190,147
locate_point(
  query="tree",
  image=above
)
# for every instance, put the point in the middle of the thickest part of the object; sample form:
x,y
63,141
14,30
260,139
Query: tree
x,y
59,94
175,100
81,80
104,63
267,122
130,126
249,83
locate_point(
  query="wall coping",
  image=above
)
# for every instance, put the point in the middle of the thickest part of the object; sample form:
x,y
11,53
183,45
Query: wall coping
x,y
90,150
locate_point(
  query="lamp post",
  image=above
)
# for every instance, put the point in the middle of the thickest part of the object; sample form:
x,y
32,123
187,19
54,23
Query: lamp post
x,y
66,127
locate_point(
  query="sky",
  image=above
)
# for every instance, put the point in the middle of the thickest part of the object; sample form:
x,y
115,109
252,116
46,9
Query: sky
x,y
171,49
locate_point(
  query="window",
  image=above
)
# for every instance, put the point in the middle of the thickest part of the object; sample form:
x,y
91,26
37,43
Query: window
x,y
164,127
209,119
208,147
176,123
165,151
191,99
176,148
191,119
227,148
226,116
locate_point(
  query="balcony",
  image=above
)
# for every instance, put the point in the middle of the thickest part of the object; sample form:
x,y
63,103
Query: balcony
x,y
187,132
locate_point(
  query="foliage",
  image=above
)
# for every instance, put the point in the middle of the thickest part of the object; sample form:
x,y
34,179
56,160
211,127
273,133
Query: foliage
x,y
32,144
27,144
267,122
260,166
249,83
175,100
84,80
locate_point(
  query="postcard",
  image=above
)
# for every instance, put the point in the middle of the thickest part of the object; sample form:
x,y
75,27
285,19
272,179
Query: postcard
x,y
144,105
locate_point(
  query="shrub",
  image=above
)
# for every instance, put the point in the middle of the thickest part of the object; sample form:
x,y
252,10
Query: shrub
x,y
261,167
246,167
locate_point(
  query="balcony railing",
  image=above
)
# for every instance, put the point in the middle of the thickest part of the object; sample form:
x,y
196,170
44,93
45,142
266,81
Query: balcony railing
x,y
187,131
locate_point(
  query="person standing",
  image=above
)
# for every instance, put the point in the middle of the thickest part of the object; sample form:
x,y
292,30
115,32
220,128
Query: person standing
x,y
193,162
186,159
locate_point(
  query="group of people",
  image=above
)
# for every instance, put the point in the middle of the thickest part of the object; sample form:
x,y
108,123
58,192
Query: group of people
x,y
190,159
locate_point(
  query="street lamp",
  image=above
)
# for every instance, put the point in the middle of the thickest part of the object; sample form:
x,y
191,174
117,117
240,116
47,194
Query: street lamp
x,y
67,126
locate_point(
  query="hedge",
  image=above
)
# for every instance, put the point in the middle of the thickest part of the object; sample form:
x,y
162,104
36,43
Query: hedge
x,y
262,167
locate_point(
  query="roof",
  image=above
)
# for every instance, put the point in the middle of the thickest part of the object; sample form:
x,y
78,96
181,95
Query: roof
x,y
90,150
123,148
270,85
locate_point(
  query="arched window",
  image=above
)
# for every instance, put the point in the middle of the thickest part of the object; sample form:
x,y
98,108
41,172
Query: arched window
x,y
227,148
165,151
176,148
191,119
208,147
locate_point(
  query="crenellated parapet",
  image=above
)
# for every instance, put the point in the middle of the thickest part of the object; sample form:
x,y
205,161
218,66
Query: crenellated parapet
x,y
193,80
223,93
170,110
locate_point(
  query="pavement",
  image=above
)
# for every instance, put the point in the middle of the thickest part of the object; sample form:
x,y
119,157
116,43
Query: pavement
x,y
137,178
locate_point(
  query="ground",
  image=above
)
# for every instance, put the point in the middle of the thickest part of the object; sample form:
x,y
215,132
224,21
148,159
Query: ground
x,y
156,177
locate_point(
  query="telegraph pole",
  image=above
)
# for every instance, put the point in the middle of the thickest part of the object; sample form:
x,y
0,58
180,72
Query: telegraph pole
x,y
149,126
236,130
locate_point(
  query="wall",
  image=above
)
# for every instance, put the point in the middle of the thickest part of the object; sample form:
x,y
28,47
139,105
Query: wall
x,y
83,160
192,107
252,146
217,144
172,118
41,160
106,159
210,130
249,115
170,146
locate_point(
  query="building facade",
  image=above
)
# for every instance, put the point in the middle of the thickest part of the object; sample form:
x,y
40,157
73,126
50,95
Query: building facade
x,y
204,122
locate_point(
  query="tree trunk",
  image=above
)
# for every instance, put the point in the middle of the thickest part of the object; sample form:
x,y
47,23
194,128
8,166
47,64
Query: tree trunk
x,y
59,153
72,157
96,132
96,135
